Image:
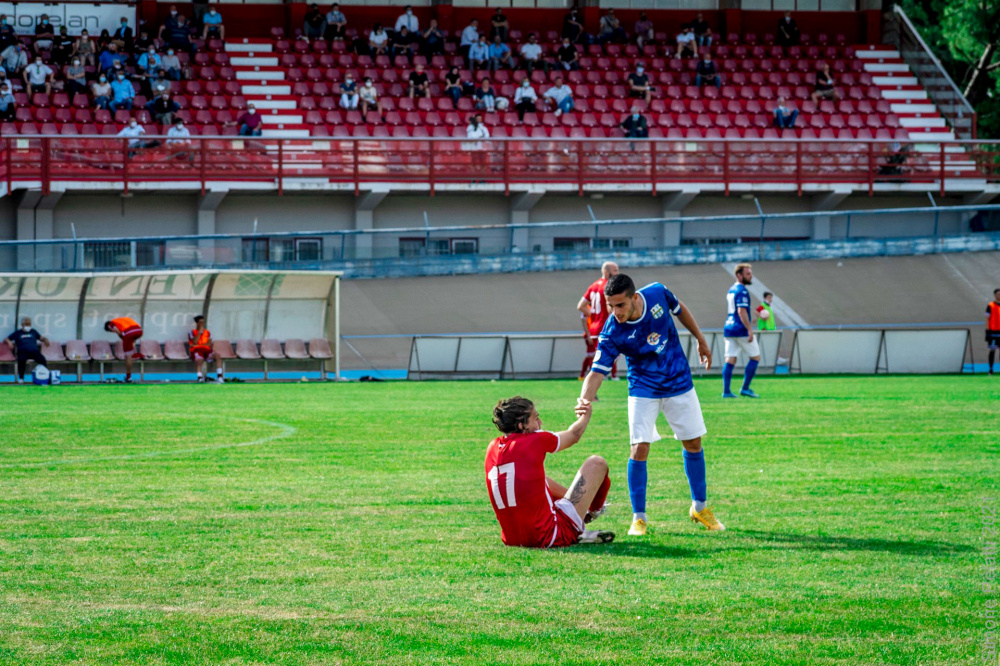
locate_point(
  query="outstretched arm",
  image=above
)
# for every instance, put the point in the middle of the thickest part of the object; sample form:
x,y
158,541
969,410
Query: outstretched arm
x,y
589,390
572,435
687,319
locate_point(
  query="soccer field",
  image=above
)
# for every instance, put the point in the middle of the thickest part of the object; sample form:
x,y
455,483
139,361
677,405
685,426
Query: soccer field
x,y
349,524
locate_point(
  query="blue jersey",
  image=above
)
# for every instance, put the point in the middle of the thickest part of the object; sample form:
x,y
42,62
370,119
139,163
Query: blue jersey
x,y
657,365
737,297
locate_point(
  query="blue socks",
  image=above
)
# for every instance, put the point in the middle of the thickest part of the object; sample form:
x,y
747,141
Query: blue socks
x,y
637,484
749,373
694,467
727,376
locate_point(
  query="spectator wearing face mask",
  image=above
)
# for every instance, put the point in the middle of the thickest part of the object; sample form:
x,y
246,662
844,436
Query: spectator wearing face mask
x,y
101,90
568,56
635,125
470,37
524,99
171,65
124,38
62,46
8,35
150,60
408,20
109,57
86,48
38,77
8,106
178,136
369,98
212,22
349,97
122,94
76,78
24,342
250,122
15,59
706,72
44,34
378,41
162,109
638,84
157,83
133,131
336,23
142,42
479,55
420,85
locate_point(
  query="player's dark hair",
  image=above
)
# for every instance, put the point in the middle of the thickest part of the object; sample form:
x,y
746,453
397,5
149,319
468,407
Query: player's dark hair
x,y
198,318
767,293
619,284
995,291
108,326
511,414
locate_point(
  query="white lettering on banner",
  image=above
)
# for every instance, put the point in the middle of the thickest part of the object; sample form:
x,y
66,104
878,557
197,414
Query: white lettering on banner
x,y
76,17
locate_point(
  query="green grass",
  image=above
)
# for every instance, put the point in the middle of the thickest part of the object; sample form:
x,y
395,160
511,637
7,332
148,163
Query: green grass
x,y
349,524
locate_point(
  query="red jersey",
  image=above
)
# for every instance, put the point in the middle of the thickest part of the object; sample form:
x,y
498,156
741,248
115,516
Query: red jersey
x,y
598,306
515,481
125,325
198,340
993,314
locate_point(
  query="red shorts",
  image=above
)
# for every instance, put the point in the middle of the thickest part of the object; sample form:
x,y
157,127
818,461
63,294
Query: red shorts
x,y
204,352
567,531
129,337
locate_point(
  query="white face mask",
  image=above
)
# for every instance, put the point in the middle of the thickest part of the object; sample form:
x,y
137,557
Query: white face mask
x,y
26,328
640,70
133,125
76,63
409,12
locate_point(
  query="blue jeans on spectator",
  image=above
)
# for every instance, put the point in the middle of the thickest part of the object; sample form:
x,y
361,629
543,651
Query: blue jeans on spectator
x,y
785,121
174,74
455,94
246,131
566,105
126,104
102,102
699,79
704,40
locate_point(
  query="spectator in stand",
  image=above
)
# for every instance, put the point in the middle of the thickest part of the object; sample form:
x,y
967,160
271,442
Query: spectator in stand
x,y
784,117
76,78
162,109
336,23
453,85
644,32
171,65
369,97
122,93
106,62
572,27
525,98
199,7
8,35
499,55
124,37
686,44
44,34
101,90
378,41
568,56
499,25
250,122
788,31
169,24
476,131
213,27
611,29
178,136
470,37
702,33
420,85
638,83
8,105
408,20
706,72
180,36
824,85
157,83
561,95
432,40
486,96
62,46
38,77
635,125
314,23
143,41
349,97
133,130
404,43
103,41
531,55
479,55
116,68
150,60
15,59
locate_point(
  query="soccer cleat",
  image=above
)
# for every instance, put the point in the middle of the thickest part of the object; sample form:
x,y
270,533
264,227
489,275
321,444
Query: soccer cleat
x,y
201,380
706,518
138,356
129,380
748,393
728,394
638,528
594,515
597,536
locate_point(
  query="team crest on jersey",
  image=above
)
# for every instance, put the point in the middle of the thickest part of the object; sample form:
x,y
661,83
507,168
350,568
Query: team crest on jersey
x,y
656,311
653,338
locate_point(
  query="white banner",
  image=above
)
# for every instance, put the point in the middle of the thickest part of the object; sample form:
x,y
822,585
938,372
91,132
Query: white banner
x,y
75,16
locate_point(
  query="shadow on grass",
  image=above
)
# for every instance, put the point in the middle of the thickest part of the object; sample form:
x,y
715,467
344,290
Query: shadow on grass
x,y
633,548
822,542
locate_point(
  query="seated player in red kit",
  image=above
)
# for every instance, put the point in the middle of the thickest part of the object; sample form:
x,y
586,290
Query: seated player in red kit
x,y
534,511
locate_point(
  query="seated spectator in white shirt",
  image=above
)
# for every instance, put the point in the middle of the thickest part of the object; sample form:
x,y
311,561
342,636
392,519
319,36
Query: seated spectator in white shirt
x,y
531,55
369,98
524,99
178,136
38,77
378,41
687,43
133,130
562,95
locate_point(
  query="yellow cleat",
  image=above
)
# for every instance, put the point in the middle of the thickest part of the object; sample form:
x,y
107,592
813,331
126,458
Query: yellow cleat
x,y
638,528
706,518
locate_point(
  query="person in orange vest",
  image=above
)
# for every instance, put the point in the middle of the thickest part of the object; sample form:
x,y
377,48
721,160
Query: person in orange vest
x,y
200,349
993,326
129,331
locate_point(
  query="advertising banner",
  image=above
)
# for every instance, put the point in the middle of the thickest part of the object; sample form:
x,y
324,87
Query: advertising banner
x,y
93,17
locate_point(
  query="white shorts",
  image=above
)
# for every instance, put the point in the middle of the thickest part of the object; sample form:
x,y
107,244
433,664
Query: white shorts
x,y
567,508
683,414
734,345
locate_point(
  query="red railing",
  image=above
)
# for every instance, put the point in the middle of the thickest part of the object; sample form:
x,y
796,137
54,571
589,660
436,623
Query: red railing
x,y
36,161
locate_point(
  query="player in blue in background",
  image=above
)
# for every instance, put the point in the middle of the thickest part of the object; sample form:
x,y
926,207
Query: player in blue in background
x,y
659,380
738,333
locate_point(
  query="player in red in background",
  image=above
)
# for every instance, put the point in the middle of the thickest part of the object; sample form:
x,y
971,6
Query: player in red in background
x,y
594,314
200,349
129,331
534,511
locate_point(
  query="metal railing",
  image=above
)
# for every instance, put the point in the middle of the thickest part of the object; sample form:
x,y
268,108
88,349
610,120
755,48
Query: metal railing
x,y
941,90
49,162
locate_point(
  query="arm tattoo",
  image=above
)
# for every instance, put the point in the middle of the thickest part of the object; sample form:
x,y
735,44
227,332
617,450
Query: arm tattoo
x,y
576,492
